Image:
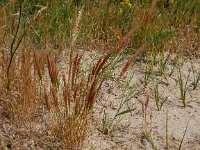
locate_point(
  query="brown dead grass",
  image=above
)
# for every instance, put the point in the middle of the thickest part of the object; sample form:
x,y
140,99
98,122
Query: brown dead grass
x,y
69,96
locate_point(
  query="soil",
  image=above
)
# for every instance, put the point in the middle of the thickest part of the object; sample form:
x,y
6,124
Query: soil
x,y
128,131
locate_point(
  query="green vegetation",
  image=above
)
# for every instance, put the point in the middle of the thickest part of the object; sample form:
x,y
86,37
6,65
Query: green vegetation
x,y
37,35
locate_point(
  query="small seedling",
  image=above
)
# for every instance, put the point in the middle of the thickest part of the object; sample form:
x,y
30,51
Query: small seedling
x,y
105,124
174,63
154,54
147,73
145,132
183,87
159,103
128,81
148,136
108,124
162,62
196,78
144,109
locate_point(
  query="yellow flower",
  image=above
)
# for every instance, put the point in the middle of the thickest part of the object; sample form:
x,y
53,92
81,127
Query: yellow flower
x,y
130,5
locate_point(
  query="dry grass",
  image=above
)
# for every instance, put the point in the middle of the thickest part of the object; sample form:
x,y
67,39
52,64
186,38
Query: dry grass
x,y
32,78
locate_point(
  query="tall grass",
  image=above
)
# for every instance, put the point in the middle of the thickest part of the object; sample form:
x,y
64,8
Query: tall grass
x,y
31,32
73,109
117,19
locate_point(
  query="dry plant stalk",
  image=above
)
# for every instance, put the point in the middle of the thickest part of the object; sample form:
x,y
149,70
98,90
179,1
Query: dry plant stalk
x,y
55,98
53,73
73,107
148,15
38,64
73,39
16,72
47,101
132,58
22,99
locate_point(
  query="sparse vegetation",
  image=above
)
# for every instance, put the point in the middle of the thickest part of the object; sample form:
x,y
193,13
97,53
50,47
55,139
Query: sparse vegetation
x,y
183,87
157,97
58,60
109,124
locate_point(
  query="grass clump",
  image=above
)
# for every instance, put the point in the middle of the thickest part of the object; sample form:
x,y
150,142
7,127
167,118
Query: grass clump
x,y
108,124
72,109
34,35
183,87
157,98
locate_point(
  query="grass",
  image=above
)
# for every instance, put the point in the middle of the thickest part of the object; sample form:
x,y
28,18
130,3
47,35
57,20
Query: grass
x,y
183,87
108,124
72,110
163,62
105,124
14,49
36,36
167,127
196,78
147,74
149,138
180,146
144,110
159,103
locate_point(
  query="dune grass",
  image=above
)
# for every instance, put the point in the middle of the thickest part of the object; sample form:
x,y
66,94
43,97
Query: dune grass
x,y
35,35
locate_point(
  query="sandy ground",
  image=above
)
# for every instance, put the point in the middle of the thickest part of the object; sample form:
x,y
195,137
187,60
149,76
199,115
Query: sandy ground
x,y
127,131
